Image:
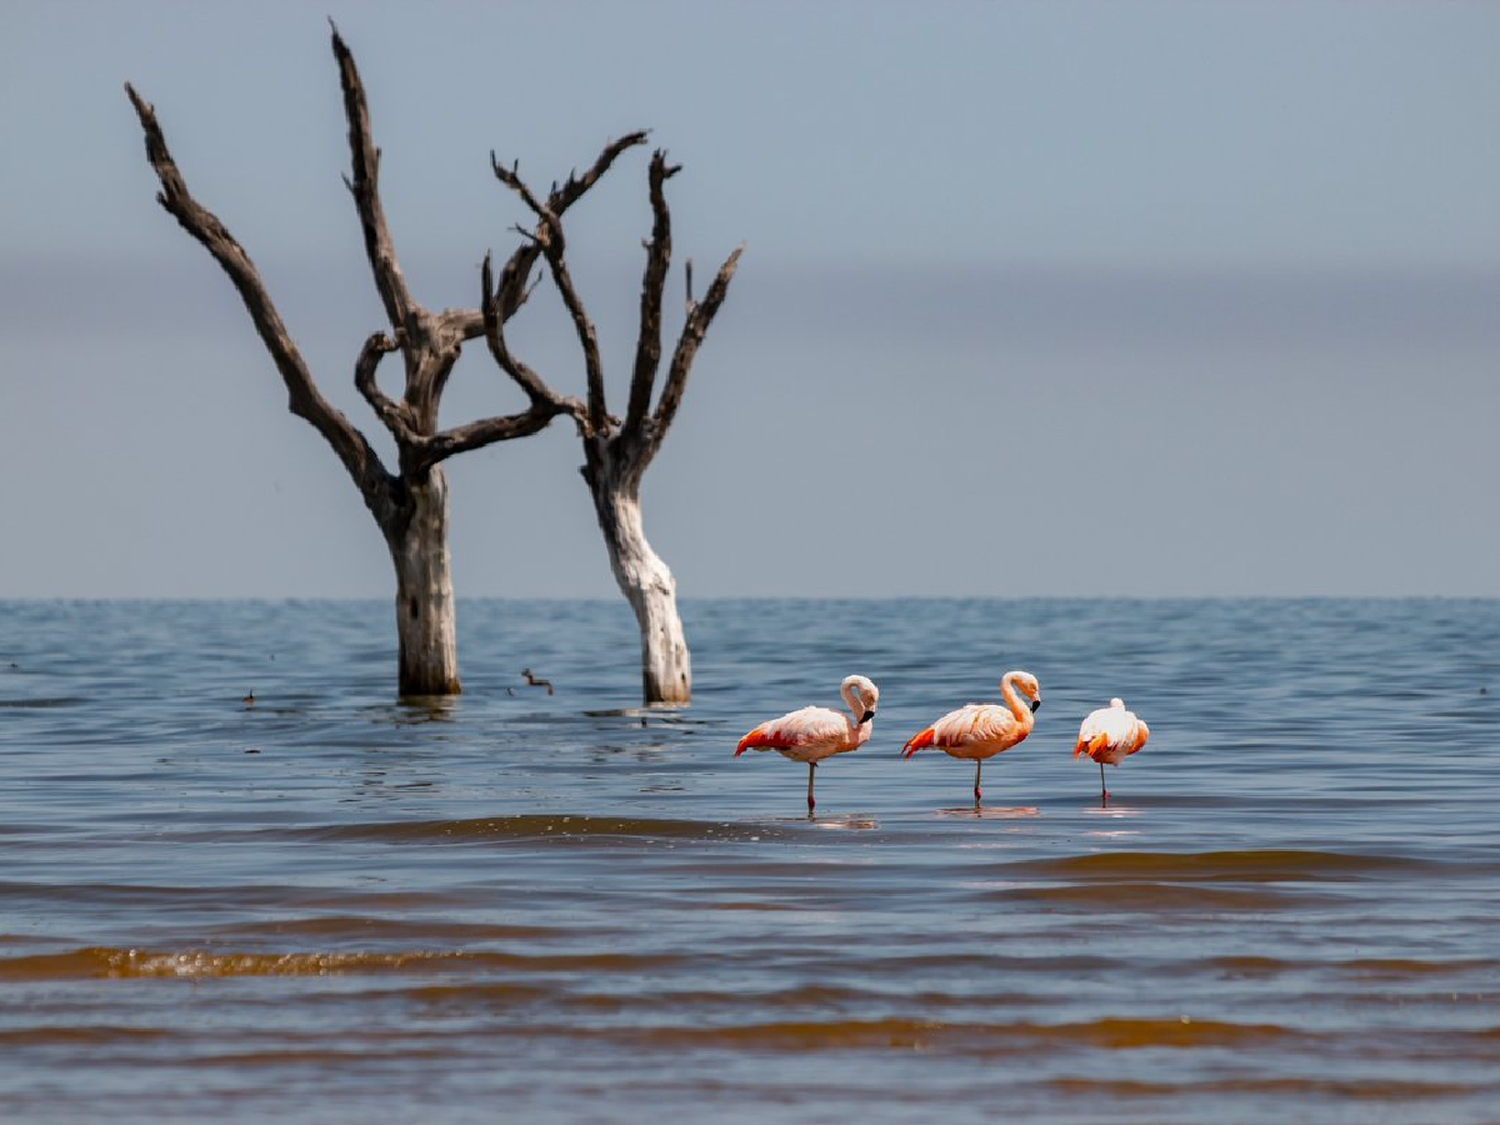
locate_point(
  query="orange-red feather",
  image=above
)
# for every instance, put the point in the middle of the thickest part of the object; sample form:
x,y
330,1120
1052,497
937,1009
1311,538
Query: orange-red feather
x,y
919,742
1091,746
757,737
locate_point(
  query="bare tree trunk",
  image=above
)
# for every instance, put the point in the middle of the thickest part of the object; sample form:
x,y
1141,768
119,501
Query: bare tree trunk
x,y
410,505
426,623
618,453
648,585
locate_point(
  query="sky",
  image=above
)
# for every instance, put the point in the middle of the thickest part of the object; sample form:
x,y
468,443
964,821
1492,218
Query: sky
x,y
1146,298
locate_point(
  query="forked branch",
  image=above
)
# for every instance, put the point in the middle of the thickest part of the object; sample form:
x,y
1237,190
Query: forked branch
x,y
653,283
364,185
511,178
700,316
588,338
478,434
421,451
544,400
561,198
358,457
395,415
548,239
643,430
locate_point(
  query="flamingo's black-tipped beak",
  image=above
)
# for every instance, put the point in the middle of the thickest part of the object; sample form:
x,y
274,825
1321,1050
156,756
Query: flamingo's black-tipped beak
x,y
866,717
1035,703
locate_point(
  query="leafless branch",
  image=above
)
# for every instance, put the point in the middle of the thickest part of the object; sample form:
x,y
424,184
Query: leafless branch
x,y
486,431
561,198
699,317
395,415
658,260
511,178
364,186
588,338
468,324
558,201
421,451
358,457
548,239
515,288
493,301
462,324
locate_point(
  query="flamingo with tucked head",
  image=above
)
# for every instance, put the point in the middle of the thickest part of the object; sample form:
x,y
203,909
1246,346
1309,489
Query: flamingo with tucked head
x,y
977,731
815,733
1110,735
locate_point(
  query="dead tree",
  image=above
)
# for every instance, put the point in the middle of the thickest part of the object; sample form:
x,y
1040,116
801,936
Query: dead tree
x,y
410,505
616,453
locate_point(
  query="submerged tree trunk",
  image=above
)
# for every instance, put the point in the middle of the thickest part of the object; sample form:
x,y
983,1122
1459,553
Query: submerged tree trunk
x,y
411,504
426,622
647,583
617,453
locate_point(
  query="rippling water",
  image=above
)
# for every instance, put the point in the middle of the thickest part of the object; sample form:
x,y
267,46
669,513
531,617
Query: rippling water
x,y
331,907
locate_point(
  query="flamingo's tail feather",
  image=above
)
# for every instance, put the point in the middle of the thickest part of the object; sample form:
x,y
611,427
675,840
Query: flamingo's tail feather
x,y
924,739
1090,746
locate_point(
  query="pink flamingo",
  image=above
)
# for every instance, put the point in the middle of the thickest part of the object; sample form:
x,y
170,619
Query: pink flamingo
x,y
1110,734
981,730
815,733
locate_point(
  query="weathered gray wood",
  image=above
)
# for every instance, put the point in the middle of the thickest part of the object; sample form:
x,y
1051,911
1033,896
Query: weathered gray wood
x,y
410,505
617,454
304,400
549,240
395,415
494,302
363,184
653,285
426,617
649,587
700,315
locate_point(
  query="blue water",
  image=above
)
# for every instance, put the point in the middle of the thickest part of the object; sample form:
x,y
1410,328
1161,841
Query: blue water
x,y
327,906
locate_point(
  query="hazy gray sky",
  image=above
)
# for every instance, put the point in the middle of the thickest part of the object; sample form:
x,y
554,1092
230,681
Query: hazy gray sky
x,y
1148,298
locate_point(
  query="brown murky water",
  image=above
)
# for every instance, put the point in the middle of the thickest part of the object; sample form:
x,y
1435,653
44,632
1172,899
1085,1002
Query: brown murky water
x,y
329,907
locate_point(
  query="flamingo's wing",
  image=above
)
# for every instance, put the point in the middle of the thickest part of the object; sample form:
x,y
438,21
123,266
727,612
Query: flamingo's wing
x,y
1108,728
941,732
1142,735
976,723
1092,733
972,724
810,725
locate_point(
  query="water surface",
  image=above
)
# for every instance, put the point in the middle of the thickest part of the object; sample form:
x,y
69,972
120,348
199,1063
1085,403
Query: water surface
x,y
328,906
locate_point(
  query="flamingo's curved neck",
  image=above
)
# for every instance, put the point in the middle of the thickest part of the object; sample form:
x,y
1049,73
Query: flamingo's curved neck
x,y
852,702
1013,701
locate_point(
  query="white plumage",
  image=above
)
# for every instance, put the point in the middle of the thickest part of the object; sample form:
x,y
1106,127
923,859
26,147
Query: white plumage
x,y
1109,736
814,733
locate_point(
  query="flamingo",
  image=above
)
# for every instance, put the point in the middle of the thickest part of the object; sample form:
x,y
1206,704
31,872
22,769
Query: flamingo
x,y
982,730
815,733
1110,734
